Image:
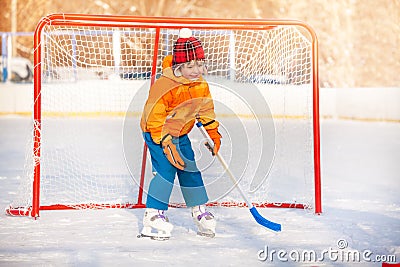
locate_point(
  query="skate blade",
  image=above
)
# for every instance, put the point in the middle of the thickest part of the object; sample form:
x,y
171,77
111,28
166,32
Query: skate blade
x,y
206,234
153,237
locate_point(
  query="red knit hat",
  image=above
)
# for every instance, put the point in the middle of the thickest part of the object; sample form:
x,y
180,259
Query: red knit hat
x,y
187,48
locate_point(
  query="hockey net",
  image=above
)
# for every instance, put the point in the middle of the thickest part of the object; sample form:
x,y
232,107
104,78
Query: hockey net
x,y
92,76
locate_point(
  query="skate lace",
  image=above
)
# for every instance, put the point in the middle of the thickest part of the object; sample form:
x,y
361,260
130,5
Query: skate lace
x,y
206,214
203,213
160,215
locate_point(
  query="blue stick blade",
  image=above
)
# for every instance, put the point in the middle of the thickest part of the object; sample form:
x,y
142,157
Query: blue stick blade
x,y
264,222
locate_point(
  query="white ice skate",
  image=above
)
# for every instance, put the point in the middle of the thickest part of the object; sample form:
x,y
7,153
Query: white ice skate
x,y
204,220
156,220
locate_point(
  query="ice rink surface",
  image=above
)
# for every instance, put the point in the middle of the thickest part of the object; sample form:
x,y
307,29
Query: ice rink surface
x,y
360,220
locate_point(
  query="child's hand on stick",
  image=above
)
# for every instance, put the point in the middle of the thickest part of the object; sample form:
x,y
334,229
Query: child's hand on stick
x,y
216,138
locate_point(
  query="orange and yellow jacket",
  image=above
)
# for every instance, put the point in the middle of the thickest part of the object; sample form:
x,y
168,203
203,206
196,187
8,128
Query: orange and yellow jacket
x,y
174,103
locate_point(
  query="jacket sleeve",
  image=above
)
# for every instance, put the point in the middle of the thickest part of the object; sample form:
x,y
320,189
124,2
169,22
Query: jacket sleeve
x,y
156,120
155,113
206,113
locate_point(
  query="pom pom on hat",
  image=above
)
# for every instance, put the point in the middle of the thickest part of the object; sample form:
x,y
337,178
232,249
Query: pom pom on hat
x,y
187,48
185,33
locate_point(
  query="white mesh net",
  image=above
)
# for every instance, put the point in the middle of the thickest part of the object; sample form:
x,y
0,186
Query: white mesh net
x,y
95,82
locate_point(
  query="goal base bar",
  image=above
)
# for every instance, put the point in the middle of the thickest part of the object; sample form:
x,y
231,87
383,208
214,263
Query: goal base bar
x,y
27,211
228,204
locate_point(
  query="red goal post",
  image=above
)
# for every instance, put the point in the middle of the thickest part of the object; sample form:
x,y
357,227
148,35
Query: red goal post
x,y
155,25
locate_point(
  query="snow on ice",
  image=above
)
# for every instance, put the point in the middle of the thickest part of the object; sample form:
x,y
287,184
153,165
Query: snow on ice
x,y
360,220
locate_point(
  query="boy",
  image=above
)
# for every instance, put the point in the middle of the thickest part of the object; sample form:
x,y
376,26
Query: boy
x,y
176,100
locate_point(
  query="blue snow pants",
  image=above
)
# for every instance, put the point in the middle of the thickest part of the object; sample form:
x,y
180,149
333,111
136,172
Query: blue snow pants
x,y
161,185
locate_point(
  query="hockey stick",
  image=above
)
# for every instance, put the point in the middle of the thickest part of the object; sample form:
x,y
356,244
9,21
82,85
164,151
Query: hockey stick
x,y
257,216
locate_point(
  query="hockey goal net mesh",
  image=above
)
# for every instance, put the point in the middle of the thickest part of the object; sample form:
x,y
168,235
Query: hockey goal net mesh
x,y
91,81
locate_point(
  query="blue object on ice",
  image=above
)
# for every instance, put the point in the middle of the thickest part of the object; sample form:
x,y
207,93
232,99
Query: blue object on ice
x,y
264,222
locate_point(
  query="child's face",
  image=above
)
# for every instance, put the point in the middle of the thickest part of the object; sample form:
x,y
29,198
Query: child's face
x,y
193,70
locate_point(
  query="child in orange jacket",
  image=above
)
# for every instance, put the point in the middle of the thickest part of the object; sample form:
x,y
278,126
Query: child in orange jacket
x,y
175,101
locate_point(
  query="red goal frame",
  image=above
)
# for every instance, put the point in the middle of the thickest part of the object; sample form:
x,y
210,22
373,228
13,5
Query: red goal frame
x,y
157,23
